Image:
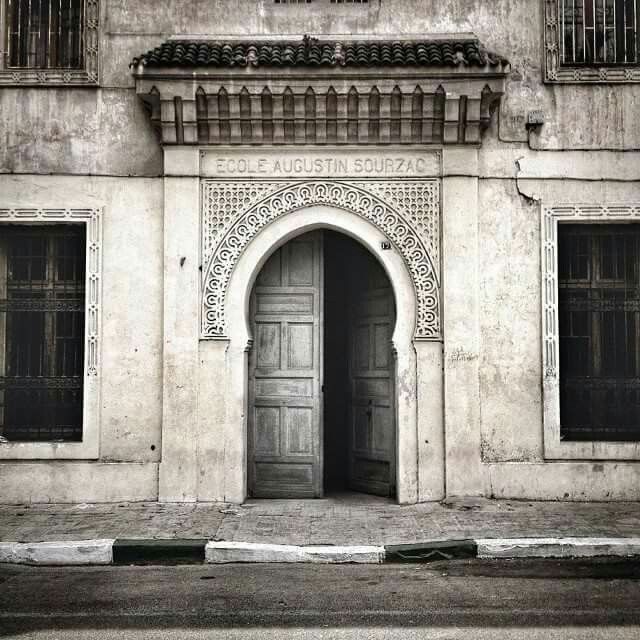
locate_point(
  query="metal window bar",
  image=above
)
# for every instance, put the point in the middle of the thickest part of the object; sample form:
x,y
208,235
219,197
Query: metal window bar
x,y
42,310
599,316
599,32
45,34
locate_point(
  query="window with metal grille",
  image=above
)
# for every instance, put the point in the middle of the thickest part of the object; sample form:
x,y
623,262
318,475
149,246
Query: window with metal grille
x,y
599,305
599,32
42,308
45,34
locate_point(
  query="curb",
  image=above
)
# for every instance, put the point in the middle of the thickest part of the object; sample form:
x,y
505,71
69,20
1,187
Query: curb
x,y
431,551
558,547
70,552
171,551
138,551
224,552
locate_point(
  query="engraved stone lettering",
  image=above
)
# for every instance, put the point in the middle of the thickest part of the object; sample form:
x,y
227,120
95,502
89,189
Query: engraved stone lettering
x,y
317,164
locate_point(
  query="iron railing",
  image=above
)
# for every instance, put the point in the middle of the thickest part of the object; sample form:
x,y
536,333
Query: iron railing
x,y
599,302
45,34
42,309
599,32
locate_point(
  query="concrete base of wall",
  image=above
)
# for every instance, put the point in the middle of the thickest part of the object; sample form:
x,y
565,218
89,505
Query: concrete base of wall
x,y
571,481
74,482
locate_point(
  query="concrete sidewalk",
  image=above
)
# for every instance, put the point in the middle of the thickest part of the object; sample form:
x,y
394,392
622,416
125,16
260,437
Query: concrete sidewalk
x,y
501,528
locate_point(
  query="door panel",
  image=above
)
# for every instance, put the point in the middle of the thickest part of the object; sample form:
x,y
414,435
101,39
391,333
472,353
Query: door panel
x,y
285,403
371,375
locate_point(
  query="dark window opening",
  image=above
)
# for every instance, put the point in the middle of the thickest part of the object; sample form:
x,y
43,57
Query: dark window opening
x,y
42,309
599,317
599,32
45,34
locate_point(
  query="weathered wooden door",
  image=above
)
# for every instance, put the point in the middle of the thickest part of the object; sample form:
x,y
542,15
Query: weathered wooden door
x,y
285,373
371,378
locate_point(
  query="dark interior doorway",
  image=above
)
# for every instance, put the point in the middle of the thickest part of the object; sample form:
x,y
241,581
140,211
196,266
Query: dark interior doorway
x,y
356,289
339,254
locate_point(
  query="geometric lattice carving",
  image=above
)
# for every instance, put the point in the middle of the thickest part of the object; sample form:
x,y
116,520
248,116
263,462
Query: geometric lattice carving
x,y
399,226
419,202
222,203
91,218
88,75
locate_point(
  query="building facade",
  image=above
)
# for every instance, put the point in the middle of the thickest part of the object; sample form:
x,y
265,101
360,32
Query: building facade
x,y
281,249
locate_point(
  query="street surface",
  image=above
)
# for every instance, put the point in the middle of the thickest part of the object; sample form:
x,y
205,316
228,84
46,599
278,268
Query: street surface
x,y
446,600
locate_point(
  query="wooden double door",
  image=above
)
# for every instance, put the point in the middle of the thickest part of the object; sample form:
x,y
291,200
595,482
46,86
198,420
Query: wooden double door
x,y
321,372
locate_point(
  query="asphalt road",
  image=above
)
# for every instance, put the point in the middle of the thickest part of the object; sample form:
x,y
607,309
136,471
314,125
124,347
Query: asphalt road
x,y
455,600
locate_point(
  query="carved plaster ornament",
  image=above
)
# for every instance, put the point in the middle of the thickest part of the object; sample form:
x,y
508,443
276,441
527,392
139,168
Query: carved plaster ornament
x,y
406,212
91,217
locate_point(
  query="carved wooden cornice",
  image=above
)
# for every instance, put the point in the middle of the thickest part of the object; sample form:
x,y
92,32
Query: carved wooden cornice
x,y
339,93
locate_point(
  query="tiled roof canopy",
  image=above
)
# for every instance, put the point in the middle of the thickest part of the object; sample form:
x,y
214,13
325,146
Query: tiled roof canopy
x,y
313,53
315,92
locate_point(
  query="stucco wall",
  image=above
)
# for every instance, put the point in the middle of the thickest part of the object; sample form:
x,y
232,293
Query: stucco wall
x,y
130,368
513,185
509,292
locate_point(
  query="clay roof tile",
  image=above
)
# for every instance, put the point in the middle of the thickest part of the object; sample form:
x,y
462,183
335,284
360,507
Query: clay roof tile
x,y
310,52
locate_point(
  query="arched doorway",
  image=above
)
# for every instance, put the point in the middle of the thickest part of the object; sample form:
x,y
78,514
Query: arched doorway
x,y
413,359
321,401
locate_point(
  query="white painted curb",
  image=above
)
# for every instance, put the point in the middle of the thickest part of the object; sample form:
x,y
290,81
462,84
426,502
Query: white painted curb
x,y
79,552
223,552
557,547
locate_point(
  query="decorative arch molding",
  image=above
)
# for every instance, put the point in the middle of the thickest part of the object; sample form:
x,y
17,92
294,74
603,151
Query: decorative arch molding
x,y
225,240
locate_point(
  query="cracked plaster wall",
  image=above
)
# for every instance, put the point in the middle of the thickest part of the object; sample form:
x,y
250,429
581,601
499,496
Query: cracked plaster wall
x,y
105,131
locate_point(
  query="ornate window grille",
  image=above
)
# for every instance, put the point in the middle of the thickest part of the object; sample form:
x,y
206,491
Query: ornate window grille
x,y
599,32
46,34
599,324
49,41
592,40
42,320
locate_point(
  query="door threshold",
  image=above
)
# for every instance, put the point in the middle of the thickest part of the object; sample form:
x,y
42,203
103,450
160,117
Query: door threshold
x,y
337,497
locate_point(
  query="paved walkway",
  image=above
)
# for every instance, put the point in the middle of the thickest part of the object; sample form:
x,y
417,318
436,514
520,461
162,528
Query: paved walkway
x,y
342,520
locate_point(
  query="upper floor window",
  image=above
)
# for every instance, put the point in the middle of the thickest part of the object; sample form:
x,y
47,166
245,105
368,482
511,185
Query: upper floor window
x,y
599,32
49,41
592,40
47,34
